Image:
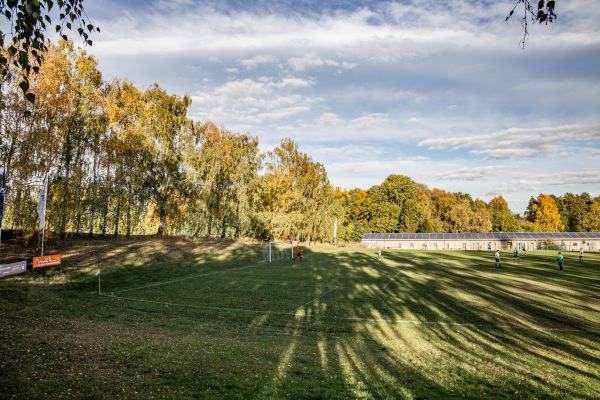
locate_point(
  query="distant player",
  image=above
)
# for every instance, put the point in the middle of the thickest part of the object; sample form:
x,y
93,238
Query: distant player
x,y
524,249
498,262
516,255
298,254
379,256
559,259
581,255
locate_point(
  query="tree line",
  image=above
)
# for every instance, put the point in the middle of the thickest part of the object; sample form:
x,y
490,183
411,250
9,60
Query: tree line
x,y
121,160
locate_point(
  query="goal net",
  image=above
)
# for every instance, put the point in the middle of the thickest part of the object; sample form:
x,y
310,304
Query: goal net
x,y
279,250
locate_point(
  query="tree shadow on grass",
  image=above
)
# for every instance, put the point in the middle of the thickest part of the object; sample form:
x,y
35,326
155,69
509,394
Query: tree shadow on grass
x,y
520,343
339,325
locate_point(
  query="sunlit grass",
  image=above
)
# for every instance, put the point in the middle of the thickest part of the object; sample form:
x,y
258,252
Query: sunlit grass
x,y
210,320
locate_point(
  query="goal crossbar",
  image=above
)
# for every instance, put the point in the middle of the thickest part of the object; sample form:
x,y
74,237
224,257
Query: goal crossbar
x,y
278,250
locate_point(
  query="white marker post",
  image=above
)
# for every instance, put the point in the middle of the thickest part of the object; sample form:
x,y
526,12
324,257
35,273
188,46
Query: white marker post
x,y
98,275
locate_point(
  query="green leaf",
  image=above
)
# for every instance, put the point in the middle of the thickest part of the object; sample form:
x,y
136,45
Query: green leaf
x,y
24,85
541,16
23,58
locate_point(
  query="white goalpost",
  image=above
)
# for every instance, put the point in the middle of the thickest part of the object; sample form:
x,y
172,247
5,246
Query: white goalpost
x,y
278,250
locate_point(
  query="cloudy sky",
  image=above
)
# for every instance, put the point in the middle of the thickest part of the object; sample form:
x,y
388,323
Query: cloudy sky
x,y
440,91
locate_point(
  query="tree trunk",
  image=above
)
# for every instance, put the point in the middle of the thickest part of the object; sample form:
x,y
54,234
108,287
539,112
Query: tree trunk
x,y
223,229
93,202
17,214
106,197
117,217
162,217
128,233
209,226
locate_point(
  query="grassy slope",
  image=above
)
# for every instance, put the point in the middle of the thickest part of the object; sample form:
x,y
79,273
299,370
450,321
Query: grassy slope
x,y
202,319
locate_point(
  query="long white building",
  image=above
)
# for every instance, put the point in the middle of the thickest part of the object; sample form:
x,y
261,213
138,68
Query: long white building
x,y
568,241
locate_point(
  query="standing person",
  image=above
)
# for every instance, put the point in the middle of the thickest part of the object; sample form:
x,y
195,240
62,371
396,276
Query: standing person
x,y
498,262
516,255
559,259
524,249
379,257
489,246
298,254
581,254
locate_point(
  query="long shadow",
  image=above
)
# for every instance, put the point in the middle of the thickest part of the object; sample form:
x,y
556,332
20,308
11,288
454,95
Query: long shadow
x,y
413,325
461,325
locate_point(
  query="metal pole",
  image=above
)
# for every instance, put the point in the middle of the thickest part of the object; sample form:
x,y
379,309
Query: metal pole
x,y
43,231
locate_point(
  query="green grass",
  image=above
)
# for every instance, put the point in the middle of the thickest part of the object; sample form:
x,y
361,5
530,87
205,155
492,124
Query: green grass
x,y
208,320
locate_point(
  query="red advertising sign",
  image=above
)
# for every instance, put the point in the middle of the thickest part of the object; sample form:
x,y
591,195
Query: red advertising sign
x,y
46,261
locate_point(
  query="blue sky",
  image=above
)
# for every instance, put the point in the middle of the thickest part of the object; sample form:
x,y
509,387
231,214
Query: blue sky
x,y
440,91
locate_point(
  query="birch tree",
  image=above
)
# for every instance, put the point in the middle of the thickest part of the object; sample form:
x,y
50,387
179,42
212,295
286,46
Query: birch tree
x,y
164,124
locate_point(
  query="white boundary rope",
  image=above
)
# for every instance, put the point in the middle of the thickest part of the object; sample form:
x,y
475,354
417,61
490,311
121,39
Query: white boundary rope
x,y
393,278
293,313
185,278
339,318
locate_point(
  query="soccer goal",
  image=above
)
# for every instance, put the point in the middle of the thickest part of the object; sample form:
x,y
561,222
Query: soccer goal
x,y
279,250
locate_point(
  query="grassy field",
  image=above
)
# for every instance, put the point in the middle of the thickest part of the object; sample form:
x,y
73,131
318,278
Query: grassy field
x,y
183,319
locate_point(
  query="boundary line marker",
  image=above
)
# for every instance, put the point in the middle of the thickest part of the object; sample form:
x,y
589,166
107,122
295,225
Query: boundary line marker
x,y
349,319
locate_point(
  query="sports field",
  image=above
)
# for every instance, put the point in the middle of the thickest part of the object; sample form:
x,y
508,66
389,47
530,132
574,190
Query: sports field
x,y
184,320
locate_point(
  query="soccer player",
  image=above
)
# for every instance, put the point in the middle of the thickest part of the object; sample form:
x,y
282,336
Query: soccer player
x,y
379,257
581,254
298,254
516,255
559,259
498,262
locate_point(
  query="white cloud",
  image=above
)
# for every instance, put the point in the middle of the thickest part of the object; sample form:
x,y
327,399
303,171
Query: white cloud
x,y
329,119
432,90
514,143
312,60
570,178
471,174
368,121
257,60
